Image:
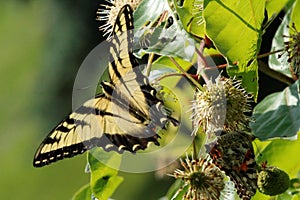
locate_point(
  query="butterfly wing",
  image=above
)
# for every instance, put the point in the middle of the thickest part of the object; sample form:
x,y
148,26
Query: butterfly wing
x,y
66,139
94,125
131,94
233,153
121,49
128,81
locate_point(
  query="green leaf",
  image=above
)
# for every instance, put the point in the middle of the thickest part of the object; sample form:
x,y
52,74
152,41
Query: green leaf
x,y
235,29
283,196
177,185
171,40
83,193
260,196
276,62
273,7
190,15
278,115
104,179
164,61
296,197
296,14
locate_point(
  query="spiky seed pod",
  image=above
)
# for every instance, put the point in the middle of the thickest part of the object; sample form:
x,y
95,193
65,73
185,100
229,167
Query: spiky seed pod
x,y
272,181
237,105
209,106
108,13
292,48
203,179
221,106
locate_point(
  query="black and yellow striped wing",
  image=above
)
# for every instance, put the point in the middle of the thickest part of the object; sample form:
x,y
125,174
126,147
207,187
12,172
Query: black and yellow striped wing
x,y
125,117
122,60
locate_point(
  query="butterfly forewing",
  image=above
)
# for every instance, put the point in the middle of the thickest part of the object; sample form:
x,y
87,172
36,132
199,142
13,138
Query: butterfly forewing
x,y
132,96
121,58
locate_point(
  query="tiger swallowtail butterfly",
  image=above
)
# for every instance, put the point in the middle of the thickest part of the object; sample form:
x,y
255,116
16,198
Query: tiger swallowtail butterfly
x,y
125,116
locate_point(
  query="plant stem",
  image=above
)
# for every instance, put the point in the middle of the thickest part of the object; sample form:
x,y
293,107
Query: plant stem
x,y
187,75
194,148
169,75
150,59
269,53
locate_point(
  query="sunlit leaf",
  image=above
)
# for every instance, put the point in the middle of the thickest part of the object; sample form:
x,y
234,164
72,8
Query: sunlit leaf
x,y
172,192
284,196
278,115
235,29
273,7
83,193
296,14
190,15
260,196
296,197
104,180
164,61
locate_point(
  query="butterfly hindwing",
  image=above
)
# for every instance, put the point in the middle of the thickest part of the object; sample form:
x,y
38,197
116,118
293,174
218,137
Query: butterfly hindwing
x,y
65,140
233,153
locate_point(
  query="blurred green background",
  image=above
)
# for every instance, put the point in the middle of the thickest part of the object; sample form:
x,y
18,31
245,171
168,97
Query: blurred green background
x,y
42,46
